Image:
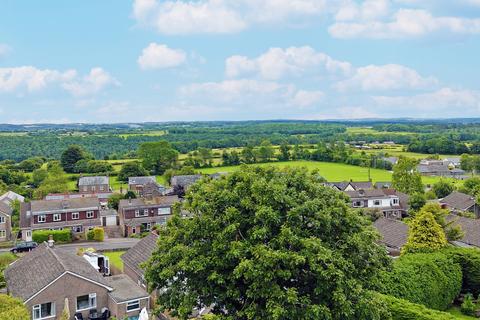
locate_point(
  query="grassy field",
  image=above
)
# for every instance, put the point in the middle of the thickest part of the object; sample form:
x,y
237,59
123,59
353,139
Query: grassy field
x,y
458,314
371,131
114,257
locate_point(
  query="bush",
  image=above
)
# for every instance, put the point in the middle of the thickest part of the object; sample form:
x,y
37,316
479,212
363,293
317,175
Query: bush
x,y
11,308
59,236
96,234
433,280
468,307
469,260
401,309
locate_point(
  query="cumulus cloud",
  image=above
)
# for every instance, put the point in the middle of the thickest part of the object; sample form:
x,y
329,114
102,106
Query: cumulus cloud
x,y
160,56
405,23
305,99
4,49
385,77
95,81
220,16
277,63
31,78
367,10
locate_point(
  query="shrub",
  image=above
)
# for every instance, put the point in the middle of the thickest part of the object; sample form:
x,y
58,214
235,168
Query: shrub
x,y
11,308
401,309
98,234
468,307
59,236
469,260
433,280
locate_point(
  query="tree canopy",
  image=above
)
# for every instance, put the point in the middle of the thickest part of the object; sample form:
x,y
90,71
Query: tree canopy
x,y
264,243
425,234
131,169
405,176
71,156
157,156
11,308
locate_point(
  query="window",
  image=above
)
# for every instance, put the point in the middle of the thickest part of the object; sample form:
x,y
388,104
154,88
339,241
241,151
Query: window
x,y
102,188
89,214
147,226
85,189
395,201
134,230
3,234
133,305
75,215
77,229
2,219
87,301
57,217
43,311
376,202
163,211
42,218
144,213
357,203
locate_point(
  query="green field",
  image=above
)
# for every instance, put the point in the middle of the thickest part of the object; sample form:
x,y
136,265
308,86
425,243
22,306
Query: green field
x,y
371,131
114,257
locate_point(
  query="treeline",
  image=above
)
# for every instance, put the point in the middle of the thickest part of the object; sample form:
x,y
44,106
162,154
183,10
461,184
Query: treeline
x,y
443,145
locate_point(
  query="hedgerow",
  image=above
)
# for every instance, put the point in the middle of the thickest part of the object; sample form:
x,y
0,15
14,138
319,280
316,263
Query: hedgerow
x,y
59,236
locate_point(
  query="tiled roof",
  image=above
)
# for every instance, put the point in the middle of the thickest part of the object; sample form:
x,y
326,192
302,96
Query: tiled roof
x,y
369,193
5,208
9,196
140,253
459,201
38,268
185,180
470,227
394,232
355,185
124,289
55,205
93,181
145,202
384,184
141,180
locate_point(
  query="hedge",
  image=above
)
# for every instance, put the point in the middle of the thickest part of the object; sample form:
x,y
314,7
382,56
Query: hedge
x,y
432,279
96,234
59,236
401,309
469,260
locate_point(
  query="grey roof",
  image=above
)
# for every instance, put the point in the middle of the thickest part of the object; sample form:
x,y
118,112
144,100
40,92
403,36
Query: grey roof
x,y
441,169
140,253
459,201
392,160
124,289
25,219
185,180
5,208
356,185
369,193
10,196
470,227
66,204
40,267
394,232
142,180
147,202
93,181
383,185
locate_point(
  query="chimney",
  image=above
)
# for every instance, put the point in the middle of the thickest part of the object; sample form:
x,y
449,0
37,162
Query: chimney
x,y
51,242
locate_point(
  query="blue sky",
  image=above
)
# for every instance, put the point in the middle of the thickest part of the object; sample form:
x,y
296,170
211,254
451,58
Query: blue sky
x,y
151,60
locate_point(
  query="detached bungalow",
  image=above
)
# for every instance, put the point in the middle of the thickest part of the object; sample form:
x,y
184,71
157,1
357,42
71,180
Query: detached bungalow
x,y
459,202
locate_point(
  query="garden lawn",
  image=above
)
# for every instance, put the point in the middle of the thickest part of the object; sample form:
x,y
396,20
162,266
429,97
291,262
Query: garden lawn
x,y
115,260
458,314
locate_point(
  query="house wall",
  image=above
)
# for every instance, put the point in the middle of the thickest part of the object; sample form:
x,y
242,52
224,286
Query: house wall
x,y
67,216
383,203
152,211
119,310
94,188
6,226
62,288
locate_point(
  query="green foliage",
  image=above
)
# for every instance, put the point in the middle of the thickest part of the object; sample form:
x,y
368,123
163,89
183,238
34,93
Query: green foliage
x,y
157,156
59,236
131,169
401,309
424,234
433,279
469,260
130,195
416,201
93,166
98,234
31,164
55,182
405,176
5,260
38,176
442,188
11,308
71,156
264,243
452,231
114,200
468,306
90,235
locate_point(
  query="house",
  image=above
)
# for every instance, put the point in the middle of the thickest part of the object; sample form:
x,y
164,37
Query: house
x,y
459,203
350,185
102,196
392,160
5,221
145,186
441,170
456,162
98,184
136,256
78,214
470,228
180,184
141,214
394,234
10,196
383,185
48,278
393,204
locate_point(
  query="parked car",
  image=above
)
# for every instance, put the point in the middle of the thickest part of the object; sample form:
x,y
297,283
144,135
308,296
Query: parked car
x,y
24,246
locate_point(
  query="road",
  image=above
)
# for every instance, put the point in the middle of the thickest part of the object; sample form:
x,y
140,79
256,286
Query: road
x,y
107,245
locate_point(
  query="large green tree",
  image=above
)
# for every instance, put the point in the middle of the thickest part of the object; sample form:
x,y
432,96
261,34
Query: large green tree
x,y
55,182
442,188
405,176
131,169
264,243
157,156
71,156
425,234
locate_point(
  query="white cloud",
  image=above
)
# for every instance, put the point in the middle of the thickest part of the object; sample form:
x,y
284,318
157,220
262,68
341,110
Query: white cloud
x,y
304,98
31,78
221,16
97,80
4,49
444,98
368,10
406,23
277,63
385,77
160,56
